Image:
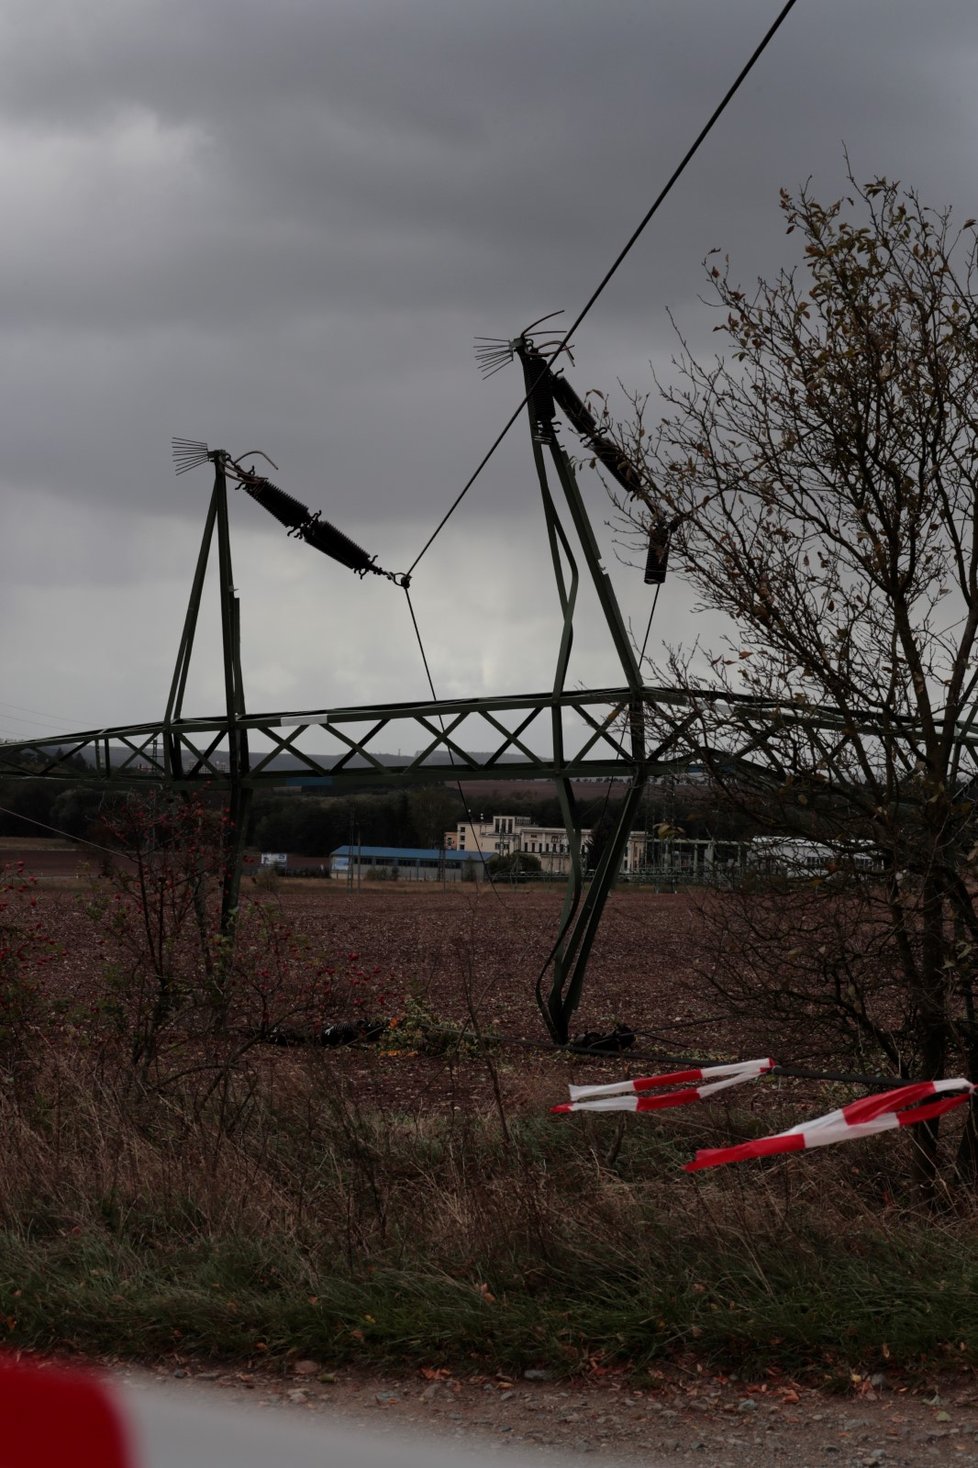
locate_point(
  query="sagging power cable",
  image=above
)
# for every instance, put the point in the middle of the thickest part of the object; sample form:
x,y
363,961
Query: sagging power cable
x,y
451,760
56,831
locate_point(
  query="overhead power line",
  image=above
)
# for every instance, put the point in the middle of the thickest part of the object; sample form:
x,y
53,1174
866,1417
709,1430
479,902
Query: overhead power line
x,y
632,240
57,831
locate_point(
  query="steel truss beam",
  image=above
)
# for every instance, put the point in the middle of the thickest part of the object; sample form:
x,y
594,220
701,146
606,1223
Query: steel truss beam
x,y
592,742
349,743
592,725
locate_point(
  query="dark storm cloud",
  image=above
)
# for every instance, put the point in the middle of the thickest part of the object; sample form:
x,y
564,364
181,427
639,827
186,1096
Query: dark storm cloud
x,y
232,163
283,224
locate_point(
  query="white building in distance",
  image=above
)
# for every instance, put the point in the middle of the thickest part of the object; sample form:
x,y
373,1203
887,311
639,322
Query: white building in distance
x,y
502,835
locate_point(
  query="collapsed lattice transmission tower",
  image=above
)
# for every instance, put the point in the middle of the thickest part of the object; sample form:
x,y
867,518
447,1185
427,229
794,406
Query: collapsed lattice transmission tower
x,y
628,731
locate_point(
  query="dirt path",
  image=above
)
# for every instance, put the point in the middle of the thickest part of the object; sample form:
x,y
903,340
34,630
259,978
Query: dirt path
x,y
715,1422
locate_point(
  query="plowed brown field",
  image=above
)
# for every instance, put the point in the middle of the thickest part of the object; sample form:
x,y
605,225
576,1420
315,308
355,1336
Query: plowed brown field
x,y
450,950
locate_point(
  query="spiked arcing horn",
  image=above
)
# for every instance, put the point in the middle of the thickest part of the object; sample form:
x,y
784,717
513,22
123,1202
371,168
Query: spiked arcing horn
x,y
492,353
188,453
547,389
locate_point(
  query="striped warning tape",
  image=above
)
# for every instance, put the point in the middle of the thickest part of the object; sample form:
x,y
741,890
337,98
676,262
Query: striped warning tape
x,y
900,1107
633,1095
865,1118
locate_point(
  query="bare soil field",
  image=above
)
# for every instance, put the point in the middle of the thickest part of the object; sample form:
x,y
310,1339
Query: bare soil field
x,y
52,861
435,944
449,953
457,955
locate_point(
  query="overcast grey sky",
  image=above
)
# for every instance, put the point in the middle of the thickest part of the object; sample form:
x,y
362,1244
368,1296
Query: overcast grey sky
x,y
282,225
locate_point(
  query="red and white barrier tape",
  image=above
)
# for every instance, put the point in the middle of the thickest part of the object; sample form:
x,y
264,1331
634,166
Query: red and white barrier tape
x,y
864,1118
903,1106
632,1095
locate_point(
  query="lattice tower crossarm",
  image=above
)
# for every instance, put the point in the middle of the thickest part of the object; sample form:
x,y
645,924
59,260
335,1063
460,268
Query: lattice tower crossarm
x,y
193,751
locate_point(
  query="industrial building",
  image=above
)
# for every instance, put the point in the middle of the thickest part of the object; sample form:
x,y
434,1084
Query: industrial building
x,y
502,835
408,864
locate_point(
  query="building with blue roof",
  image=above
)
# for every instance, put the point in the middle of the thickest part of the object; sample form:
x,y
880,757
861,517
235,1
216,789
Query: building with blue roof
x,y
408,863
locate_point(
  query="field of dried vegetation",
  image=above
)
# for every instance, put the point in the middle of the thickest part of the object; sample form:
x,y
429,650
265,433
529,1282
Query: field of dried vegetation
x,y
194,1192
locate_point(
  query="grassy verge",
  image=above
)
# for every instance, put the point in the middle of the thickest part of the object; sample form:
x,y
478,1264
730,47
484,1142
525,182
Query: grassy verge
x,y
314,1225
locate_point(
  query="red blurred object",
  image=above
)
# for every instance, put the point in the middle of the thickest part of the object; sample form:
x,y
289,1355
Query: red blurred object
x,y
56,1418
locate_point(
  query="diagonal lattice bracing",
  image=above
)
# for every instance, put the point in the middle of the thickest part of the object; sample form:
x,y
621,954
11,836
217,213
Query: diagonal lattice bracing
x,y
355,744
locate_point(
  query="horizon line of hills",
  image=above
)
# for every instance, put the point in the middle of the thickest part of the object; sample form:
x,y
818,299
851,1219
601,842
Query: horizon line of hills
x,y
286,761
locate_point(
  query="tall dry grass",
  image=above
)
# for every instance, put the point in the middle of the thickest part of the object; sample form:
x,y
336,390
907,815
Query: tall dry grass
x,y
284,1215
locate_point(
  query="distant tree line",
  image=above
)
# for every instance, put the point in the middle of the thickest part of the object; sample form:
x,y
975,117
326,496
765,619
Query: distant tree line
x,y
28,807
305,824
313,825
310,824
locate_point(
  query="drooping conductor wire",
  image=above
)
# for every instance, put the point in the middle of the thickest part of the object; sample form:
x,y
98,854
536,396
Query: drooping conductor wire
x,y
552,389
298,519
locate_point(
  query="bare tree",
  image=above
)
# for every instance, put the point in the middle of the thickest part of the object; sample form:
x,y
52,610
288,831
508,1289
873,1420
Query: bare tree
x,y
820,481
